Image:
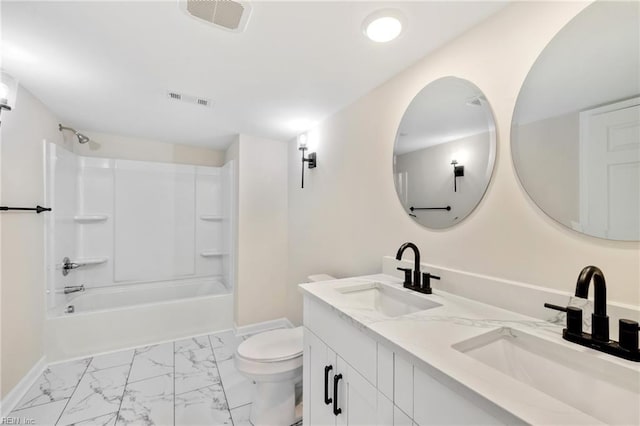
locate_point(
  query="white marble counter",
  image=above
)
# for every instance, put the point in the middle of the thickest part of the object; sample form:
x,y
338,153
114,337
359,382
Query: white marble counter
x,y
426,338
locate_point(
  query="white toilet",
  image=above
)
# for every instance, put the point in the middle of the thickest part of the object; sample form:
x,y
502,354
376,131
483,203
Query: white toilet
x,y
273,359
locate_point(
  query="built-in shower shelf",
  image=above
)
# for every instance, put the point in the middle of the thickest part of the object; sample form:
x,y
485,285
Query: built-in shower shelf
x,y
90,218
210,217
211,253
86,261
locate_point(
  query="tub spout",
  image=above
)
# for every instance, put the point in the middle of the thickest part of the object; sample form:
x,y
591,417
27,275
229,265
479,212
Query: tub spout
x,y
73,289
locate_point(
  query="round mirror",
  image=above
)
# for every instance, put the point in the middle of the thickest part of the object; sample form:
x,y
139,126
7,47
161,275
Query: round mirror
x,y
575,137
444,152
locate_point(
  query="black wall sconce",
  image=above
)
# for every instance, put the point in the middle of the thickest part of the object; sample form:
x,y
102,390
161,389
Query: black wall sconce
x,y
458,171
311,159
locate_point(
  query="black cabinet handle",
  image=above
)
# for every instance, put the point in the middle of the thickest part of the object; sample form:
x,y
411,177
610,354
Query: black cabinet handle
x,y
327,369
336,379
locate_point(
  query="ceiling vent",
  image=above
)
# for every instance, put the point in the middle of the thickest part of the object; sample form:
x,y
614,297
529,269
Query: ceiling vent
x,y
227,14
195,100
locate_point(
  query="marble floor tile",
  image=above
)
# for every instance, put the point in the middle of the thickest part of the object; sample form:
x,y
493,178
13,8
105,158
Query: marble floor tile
x,y
224,345
98,393
238,389
57,382
206,406
240,415
104,420
194,344
185,382
195,369
148,402
152,361
114,359
41,415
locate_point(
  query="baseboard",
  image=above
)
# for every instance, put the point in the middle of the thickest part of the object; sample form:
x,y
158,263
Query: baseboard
x,y
262,326
13,397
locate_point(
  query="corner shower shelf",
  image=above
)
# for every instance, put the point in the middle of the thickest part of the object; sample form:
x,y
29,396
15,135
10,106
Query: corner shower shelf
x,y
211,253
210,217
90,218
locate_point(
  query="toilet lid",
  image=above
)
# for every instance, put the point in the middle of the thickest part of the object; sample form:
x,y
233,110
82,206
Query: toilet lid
x,y
274,345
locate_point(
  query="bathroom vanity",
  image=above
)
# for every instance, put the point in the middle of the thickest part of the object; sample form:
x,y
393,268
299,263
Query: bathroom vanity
x,y
377,353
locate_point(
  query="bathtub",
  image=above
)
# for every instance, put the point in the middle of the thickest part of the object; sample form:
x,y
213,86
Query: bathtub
x,y
108,319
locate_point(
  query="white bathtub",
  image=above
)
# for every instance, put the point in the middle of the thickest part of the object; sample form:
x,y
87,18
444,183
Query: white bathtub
x,y
109,319
141,294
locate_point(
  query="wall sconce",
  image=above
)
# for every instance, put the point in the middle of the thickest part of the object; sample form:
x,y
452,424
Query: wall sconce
x,y
311,159
8,91
458,171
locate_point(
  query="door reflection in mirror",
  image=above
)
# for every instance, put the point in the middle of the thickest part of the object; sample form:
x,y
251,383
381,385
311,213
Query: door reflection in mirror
x,y
575,137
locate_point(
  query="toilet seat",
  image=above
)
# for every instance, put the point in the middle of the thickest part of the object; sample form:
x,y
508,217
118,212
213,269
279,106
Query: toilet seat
x,y
272,346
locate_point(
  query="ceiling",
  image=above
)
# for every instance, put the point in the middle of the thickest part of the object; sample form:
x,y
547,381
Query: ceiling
x,y
446,110
106,66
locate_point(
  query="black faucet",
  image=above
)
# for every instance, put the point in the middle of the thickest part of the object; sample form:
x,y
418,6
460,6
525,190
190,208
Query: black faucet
x,y
421,282
407,272
599,318
599,340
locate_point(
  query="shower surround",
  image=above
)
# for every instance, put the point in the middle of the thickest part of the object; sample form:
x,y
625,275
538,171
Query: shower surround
x,y
151,244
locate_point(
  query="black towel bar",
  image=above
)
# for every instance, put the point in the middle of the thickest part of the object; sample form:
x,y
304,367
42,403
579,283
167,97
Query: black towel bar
x,y
37,209
430,208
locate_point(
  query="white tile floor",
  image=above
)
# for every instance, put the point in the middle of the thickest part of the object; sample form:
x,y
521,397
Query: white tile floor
x,y
186,382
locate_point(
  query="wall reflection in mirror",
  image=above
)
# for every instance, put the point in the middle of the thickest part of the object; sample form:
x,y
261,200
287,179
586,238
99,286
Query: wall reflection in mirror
x,y
575,135
444,152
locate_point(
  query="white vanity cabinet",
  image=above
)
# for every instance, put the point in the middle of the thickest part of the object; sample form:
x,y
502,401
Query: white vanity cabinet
x,y
376,385
336,393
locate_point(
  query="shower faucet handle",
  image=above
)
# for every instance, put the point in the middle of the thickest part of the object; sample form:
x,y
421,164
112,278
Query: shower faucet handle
x,y
68,265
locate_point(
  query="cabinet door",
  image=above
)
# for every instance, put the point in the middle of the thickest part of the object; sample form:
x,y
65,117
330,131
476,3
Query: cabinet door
x,y
357,397
317,357
438,404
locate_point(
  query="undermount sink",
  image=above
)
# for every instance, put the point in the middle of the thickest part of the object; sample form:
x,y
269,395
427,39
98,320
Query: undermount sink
x,y
389,301
604,390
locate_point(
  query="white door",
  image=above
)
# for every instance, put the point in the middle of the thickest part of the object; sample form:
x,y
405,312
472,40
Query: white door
x,y
610,171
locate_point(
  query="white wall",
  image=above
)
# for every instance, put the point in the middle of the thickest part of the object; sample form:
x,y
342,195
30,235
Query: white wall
x,y
22,239
552,145
132,148
348,214
261,271
430,183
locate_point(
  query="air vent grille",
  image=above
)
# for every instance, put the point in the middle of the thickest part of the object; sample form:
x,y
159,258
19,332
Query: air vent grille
x,y
196,100
228,14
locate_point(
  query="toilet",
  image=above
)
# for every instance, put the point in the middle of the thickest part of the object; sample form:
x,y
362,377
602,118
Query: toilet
x,y
273,360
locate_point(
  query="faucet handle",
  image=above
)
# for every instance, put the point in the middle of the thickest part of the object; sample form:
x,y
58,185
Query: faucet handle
x,y
407,277
426,282
629,334
574,317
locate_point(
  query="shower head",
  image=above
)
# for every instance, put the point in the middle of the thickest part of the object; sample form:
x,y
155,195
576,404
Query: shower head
x,y
81,138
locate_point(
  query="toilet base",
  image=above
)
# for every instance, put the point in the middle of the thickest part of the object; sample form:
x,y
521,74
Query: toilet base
x,y
274,404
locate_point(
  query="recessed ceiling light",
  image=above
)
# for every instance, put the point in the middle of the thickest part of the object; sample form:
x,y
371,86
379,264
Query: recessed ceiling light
x,y
383,25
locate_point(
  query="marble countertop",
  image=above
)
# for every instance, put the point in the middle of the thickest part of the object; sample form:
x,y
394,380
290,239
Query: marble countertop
x,y
426,339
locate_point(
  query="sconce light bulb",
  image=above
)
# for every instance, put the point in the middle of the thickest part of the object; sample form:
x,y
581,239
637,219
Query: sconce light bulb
x,y
4,93
454,162
302,141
